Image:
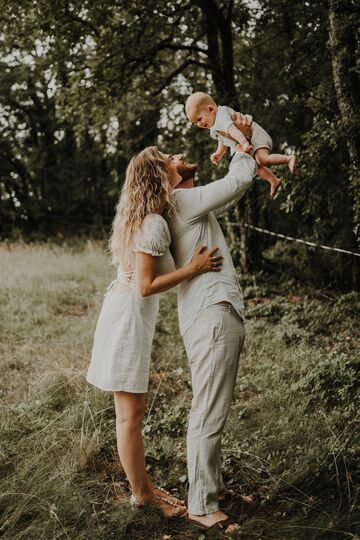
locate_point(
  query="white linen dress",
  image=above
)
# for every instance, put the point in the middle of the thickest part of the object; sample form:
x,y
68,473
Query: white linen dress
x,y
120,359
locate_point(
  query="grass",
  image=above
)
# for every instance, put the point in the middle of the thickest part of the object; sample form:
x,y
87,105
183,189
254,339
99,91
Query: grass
x,y
292,438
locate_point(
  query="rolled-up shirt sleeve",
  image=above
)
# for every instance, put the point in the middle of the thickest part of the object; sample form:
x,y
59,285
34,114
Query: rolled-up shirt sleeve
x,y
199,201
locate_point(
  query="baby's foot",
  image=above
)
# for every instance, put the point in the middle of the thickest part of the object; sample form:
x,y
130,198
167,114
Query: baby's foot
x,y
275,186
291,164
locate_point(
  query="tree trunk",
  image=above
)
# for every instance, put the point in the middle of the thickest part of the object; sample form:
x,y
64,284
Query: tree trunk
x,y
221,55
343,21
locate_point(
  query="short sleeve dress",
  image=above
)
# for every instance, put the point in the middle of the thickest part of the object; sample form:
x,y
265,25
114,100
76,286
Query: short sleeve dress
x,y
120,359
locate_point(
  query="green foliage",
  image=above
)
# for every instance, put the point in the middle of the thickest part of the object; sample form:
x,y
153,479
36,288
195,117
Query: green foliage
x,y
83,86
292,437
334,381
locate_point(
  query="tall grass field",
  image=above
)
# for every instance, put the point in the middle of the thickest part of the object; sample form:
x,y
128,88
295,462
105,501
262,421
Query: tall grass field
x,y
292,437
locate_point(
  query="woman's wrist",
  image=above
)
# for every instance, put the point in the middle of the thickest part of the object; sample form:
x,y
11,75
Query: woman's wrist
x,y
192,269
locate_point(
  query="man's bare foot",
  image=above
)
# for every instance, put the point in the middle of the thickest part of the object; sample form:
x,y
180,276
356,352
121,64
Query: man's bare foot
x,y
160,492
275,186
291,164
209,520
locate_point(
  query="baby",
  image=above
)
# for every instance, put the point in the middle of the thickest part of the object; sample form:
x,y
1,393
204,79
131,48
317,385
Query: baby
x,y
202,110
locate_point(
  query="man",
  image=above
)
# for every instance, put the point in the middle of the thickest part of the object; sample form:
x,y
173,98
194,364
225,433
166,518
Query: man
x,y
211,324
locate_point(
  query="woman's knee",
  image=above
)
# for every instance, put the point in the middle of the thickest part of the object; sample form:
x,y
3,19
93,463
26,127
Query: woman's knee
x,y
130,409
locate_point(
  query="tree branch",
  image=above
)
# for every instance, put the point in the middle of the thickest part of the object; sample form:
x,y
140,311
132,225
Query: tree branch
x,y
177,71
78,19
263,41
192,48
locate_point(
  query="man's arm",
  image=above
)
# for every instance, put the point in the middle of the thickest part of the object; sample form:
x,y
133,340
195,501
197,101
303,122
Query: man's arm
x,y
223,209
199,201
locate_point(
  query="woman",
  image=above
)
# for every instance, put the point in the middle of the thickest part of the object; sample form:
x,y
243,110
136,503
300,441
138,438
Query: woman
x,y
121,354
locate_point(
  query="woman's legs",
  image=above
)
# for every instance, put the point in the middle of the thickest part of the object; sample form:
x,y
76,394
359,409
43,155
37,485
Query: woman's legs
x,y
130,408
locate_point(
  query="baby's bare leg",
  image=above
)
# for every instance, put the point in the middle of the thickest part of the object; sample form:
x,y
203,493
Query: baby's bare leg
x,y
269,176
263,157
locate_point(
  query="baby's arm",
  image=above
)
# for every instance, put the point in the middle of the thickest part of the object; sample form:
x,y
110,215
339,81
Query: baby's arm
x,y
240,138
220,151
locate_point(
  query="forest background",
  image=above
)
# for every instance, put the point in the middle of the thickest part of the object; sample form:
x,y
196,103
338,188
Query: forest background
x,y
86,84
83,86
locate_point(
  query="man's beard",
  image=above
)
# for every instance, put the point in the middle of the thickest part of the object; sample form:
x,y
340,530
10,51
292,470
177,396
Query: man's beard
x,y
187,172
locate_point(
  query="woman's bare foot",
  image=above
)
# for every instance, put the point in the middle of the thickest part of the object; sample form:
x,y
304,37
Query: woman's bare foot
x,y
209,520
161,492
275,186
291,164
167,509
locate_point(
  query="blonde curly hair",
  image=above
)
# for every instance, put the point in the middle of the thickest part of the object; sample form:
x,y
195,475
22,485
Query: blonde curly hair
x,y
146,190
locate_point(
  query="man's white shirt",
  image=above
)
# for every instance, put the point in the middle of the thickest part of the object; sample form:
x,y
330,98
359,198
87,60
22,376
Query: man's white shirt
x,y
193,224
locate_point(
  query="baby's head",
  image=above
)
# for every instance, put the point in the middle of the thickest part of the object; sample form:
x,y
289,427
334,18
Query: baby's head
x,y
201,109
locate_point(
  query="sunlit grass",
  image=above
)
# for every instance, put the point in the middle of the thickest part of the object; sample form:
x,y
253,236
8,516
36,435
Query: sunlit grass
x,y
292,438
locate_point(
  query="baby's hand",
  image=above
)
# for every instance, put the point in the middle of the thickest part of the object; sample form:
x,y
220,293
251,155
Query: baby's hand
x,y
215,158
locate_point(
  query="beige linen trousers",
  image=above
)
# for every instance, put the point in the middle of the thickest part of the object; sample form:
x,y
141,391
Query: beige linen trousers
x,y
213,345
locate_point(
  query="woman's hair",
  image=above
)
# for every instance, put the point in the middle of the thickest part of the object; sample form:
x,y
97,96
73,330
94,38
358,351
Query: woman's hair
x,y
146,190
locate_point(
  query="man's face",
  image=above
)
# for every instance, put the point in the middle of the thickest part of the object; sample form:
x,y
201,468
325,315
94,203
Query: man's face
x,y
186,170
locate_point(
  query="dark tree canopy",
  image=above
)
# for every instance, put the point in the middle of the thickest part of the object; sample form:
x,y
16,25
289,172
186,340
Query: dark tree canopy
x,y
85,84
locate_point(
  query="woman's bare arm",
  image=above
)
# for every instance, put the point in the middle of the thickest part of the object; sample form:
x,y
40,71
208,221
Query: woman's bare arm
x,y
151,282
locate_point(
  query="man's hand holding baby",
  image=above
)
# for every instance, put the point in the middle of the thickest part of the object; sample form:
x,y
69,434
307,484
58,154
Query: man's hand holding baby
x,y
238,132
243,122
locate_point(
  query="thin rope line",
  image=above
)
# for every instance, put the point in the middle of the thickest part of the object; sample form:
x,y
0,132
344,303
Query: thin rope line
x,y
317,291
292,239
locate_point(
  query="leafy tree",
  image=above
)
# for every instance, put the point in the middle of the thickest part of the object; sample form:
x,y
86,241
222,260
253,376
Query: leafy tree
x,y
86,84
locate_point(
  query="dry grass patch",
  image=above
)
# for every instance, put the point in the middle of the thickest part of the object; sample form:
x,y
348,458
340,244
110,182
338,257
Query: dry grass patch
x,y
292,439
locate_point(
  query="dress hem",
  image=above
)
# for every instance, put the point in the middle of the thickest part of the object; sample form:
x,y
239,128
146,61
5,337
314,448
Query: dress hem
x,y
118,388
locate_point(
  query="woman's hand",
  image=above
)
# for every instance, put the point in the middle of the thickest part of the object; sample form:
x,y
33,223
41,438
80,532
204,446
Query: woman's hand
x,y
205,260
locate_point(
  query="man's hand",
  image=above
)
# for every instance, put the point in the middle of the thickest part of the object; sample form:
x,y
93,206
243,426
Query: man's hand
x,y
243,122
